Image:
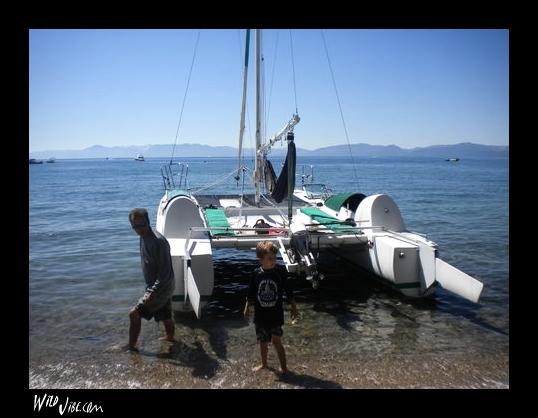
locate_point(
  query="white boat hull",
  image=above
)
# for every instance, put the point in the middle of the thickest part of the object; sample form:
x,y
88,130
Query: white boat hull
x,y
407,260
192,256
378,243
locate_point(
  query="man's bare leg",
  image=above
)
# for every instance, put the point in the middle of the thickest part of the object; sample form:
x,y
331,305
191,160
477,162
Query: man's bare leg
x,y
170,328
134,329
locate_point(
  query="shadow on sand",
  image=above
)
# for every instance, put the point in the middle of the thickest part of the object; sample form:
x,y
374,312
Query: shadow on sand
x,y
180,354
307,382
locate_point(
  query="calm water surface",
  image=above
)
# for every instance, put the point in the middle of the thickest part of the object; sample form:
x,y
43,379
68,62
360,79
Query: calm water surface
x,y
85,274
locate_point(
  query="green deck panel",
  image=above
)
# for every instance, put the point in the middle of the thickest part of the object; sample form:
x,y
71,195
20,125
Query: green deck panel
x,y
216,217
335,202
324,219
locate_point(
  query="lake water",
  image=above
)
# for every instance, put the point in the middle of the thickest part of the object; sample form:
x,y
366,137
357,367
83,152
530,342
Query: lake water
x,y
85,275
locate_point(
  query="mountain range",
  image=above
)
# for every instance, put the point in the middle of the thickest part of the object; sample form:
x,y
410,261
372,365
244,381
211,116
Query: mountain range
x,y
461,150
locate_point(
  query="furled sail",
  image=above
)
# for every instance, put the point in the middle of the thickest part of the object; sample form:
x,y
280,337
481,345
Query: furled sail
x,y
281,188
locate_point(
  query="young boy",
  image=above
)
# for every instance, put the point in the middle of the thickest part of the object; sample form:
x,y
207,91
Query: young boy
x,y
265,292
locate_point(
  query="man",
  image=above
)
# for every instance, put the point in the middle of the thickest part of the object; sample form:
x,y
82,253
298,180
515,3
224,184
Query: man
x,y
157,268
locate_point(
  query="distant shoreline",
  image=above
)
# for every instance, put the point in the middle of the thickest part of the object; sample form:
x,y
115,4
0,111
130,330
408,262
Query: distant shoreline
x,y
177,159
461,150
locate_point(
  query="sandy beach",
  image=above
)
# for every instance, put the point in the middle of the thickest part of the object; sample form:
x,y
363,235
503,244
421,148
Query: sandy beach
x,y
221,355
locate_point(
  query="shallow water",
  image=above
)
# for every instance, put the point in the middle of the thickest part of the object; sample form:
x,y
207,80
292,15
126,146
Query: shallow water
x,y
353,331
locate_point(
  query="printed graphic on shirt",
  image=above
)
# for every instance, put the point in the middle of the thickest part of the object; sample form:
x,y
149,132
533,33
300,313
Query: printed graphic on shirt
x,y
267,293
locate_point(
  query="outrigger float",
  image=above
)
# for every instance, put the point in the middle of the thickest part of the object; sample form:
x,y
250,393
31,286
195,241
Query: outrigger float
x,y
368,231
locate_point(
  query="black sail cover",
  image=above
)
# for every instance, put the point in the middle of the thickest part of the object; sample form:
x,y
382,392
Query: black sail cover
x,y
270,176
281,188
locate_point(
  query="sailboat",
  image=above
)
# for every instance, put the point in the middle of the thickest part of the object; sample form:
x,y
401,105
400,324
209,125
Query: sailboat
x,y
302,222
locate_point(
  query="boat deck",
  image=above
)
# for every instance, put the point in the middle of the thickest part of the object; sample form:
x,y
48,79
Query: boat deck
x,y
233,225
227,201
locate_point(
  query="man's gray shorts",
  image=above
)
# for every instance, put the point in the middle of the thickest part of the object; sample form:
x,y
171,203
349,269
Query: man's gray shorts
x,y
159,312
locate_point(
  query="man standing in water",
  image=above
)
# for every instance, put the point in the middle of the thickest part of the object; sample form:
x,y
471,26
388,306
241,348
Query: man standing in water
x,y
157,268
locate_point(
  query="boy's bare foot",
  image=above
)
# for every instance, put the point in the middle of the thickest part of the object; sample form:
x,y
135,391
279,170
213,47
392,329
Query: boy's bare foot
x,y
170,340
258,368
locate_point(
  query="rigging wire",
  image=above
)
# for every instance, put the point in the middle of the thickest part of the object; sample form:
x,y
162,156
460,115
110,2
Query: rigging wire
x,y
262,94
340,107
219,181
262,195
293,68
272,80
185,95
285,222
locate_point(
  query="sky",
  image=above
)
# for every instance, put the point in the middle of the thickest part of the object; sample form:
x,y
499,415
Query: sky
x,y
411,88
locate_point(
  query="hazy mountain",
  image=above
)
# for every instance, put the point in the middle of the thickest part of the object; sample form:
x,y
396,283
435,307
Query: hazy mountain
x,y
361,150
462,150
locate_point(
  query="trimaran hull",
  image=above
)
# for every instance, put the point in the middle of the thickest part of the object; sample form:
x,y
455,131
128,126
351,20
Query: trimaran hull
x,y
371,235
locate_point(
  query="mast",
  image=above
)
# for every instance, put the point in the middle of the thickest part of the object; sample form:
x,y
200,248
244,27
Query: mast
x,y
258,163
242,123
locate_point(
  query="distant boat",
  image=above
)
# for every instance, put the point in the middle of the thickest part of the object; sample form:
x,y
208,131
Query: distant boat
x,y
452,159
34,161
139,157
51,160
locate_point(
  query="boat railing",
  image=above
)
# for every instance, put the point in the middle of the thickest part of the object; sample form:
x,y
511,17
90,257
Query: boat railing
x,y
406,237
174,176
317,190
307,178
276,237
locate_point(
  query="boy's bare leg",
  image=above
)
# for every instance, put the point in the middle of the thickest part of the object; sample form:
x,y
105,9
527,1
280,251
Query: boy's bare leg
x,y
281,353
263,352
170,328
134,329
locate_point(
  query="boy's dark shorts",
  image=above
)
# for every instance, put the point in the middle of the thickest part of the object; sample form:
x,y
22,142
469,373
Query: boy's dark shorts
x,y
160,314
265,332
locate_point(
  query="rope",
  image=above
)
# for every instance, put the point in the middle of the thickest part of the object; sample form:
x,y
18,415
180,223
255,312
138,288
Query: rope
x,y
340,107
185,96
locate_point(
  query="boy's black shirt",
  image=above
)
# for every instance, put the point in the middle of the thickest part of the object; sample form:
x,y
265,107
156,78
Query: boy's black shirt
x,y
265,291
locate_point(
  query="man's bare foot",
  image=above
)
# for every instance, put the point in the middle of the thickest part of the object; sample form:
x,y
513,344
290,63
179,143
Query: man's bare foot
x,y
258,368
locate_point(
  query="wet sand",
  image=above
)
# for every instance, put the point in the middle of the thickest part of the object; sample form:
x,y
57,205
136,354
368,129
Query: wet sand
x,y
223,356
350,334
324,372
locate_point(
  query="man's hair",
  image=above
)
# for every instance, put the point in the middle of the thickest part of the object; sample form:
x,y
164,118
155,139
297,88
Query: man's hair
x,y
138,213
265,247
